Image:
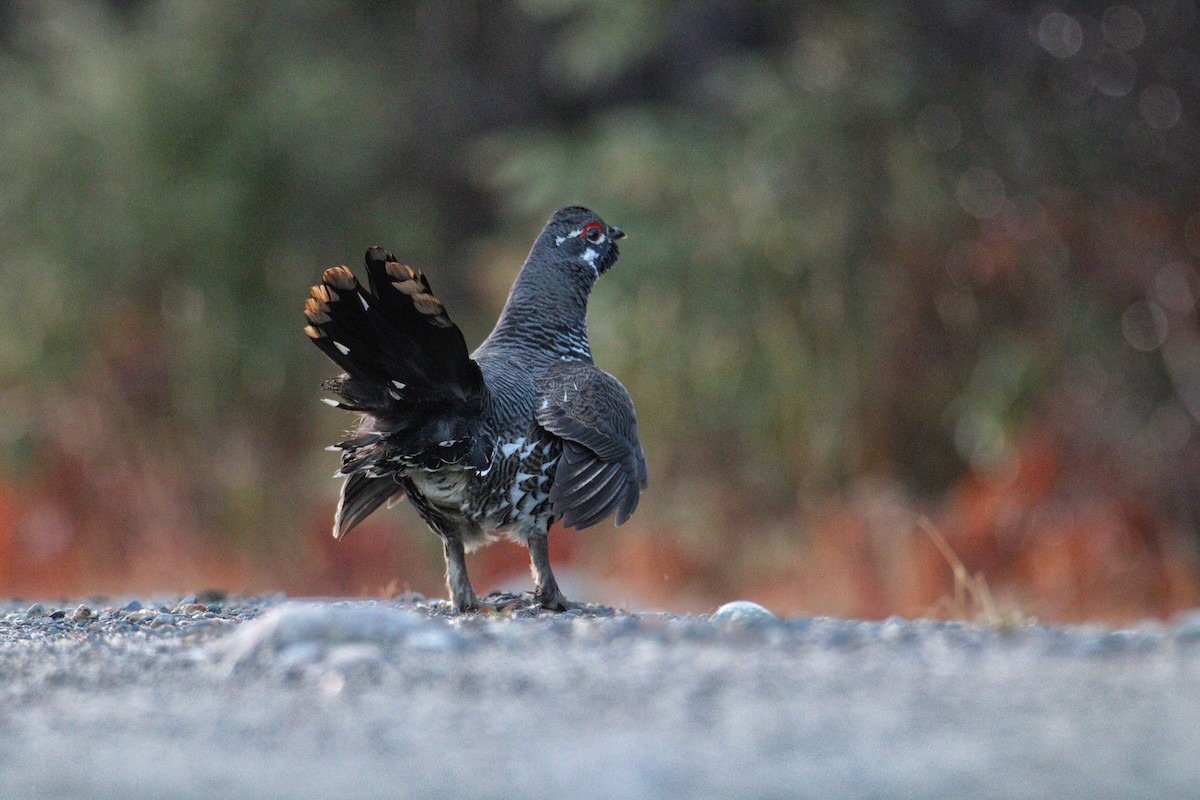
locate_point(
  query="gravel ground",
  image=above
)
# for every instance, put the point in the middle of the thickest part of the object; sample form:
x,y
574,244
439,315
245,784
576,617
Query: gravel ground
x,y
264,697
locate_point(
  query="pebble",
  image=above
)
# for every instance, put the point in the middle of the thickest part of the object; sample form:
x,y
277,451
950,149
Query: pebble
x,y
897,630
191,608
82,613
325,624
743,612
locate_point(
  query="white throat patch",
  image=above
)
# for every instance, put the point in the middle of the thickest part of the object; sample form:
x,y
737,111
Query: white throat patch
x,y
590,255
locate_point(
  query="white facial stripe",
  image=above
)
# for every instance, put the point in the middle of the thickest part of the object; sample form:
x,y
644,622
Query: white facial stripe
x,y
558,240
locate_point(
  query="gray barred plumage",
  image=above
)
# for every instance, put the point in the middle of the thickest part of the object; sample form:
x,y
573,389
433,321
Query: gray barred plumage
x,y
525,431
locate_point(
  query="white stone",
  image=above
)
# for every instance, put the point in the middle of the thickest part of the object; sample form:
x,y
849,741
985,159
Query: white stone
x,y
742,611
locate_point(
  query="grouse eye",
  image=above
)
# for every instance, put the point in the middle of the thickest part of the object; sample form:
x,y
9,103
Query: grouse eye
x,y
593,232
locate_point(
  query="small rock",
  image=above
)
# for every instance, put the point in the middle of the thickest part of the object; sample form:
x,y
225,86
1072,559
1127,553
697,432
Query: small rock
x,y
321,624
191,608
35,610
162,618
896,629
742,611
59,614
132,605
81,613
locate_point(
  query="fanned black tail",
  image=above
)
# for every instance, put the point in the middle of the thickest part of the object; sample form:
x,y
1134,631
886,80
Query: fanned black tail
x,y
407,370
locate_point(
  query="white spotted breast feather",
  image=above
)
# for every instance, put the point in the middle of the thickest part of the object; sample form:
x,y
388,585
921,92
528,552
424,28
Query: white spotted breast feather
x,y
515,493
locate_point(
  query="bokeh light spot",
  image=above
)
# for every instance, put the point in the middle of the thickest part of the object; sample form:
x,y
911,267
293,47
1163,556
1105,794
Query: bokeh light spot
x,y
1160,106
980,192
1169,429
1144,325
1059,34
1123,27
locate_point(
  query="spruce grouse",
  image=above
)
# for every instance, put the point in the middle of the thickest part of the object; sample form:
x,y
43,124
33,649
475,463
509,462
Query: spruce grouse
x,y
525,431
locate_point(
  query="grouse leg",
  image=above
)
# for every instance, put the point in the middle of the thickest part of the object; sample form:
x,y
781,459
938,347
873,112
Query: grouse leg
x,y
461,594
545,589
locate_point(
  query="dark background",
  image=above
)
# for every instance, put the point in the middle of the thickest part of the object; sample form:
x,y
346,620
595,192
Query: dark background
x,y
885,261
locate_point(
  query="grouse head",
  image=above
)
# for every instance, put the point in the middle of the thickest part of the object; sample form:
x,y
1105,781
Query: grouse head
x,y
583,240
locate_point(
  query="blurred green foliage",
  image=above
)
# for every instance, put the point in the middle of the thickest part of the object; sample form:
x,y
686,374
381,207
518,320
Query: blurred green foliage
x,y
866,239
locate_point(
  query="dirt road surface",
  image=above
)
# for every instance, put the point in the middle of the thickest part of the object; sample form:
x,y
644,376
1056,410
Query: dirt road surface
x,y
210,697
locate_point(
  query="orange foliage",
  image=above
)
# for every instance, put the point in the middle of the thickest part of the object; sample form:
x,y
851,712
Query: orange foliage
x,y
1096,554
1100,553
1049,545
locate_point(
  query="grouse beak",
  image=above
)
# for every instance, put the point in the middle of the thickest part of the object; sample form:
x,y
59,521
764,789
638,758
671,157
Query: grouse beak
x,y
616,233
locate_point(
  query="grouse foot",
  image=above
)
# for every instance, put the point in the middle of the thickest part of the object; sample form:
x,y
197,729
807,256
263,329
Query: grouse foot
x,y
553,600
462,595
545,588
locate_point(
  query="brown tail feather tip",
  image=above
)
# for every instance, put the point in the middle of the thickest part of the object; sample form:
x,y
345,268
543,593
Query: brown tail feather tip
x,y
339,278
401,272
324,294
316,312
428,304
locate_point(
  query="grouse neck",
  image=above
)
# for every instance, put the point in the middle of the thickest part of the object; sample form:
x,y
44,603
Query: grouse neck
x,y
547,311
